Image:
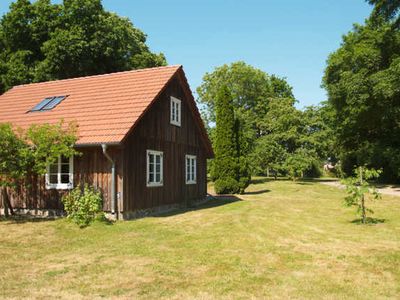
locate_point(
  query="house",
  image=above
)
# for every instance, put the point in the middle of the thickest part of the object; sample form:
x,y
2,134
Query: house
x,y
142,140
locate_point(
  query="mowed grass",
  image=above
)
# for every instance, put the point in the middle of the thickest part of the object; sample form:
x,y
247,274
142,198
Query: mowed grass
x,y
282,240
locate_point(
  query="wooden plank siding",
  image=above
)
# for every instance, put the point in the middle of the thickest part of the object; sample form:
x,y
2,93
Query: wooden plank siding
x,y
155,132
91,168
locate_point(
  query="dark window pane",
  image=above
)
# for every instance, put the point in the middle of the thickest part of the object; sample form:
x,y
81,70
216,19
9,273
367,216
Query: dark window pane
x,y
158,177
158,168
158,159
64,160
64,178
65,168
151,177
151,158
53,168
53,179
151,168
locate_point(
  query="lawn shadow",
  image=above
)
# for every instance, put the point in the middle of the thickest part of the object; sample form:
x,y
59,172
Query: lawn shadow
x,y
260,180
20,219
257,192
369,220
214,201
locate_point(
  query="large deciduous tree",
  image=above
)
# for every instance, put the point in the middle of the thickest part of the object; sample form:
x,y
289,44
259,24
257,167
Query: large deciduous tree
x,y
43,41
363,82
251,90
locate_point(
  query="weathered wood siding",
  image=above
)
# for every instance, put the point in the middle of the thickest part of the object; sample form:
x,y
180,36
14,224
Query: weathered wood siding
x,y
91,167
155,132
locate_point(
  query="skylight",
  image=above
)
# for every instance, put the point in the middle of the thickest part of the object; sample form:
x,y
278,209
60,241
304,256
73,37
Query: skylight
x,y
48,103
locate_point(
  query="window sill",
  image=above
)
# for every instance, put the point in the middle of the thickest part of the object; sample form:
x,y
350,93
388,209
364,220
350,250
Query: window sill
x,y
191,182
175,123
154,184
59,187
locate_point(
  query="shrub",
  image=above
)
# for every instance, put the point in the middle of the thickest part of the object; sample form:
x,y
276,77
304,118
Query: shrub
x,y
226,185
83,205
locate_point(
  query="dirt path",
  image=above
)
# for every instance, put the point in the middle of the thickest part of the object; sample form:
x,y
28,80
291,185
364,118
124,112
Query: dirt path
x,y
392,190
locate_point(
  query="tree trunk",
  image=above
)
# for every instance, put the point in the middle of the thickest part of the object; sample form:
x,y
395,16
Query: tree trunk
x,y
363,209
6,203
362,198
267,171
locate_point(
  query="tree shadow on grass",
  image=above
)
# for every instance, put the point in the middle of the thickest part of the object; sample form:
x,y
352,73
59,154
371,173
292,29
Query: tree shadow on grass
x,y
20,219
369,221
214,201
257,192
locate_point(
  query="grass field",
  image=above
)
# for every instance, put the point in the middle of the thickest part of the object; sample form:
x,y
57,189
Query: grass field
x,y
280,240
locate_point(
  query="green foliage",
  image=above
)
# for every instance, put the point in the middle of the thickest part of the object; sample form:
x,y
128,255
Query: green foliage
x,y
294,142
250,89
359,190
14,156
230,168
29,152
363,79
49,142
83,205
299,162
386,9
44,41
226,185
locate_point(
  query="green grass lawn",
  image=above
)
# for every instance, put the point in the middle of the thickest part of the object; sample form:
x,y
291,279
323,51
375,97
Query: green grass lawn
x,y
282,240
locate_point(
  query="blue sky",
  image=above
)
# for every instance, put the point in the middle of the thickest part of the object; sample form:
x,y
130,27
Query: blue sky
x,y
289,38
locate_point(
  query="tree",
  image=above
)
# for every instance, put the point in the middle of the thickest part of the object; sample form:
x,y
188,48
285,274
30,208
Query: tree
x,y
230,168
250,89
24,153
14,162
43,41
386,9
362,79
359,190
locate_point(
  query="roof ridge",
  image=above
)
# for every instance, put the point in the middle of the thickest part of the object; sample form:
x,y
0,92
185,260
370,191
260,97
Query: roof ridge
x,y
96,76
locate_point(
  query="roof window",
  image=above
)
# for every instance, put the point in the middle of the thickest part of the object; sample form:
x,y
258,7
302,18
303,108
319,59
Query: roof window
x,y
48,103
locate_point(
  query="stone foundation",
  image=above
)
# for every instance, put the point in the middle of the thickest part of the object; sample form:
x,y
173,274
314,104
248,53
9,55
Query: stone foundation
x,y
38,213
141,213
154,211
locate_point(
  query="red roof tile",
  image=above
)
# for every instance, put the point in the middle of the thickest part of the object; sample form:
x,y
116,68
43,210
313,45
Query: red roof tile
x,y
105,107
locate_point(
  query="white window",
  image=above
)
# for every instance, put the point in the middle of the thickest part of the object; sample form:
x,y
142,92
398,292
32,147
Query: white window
x,y
60,175
190,169
175,111
154,168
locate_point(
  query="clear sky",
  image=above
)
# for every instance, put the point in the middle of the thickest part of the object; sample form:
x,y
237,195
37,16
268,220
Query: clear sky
x,y
289,38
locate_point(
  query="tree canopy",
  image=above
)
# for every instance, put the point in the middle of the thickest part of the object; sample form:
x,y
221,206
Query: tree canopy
x,y
362,78
42,41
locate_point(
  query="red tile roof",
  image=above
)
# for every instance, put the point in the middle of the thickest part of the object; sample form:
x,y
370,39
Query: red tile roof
x,y
105,107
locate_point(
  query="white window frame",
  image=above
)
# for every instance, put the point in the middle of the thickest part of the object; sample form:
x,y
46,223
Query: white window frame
x,y
192,167
176,111
59,185
154,183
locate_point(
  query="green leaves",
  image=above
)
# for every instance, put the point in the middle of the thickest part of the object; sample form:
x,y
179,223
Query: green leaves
x,y
359,190
83,205
23,152
44,41
230,168
362,80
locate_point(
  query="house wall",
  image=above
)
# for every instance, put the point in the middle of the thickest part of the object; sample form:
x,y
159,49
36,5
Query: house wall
x,y
91,167
154,132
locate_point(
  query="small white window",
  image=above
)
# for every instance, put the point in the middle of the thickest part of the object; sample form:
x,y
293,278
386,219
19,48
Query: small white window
x,y
154,168
175,111
60,175
190,169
